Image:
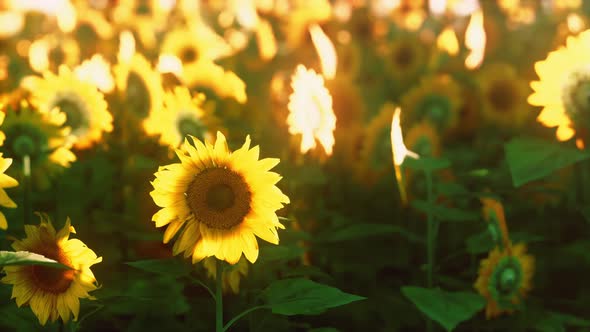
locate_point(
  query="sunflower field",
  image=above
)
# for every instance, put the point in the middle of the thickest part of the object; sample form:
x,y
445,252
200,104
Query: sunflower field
x,y
294,165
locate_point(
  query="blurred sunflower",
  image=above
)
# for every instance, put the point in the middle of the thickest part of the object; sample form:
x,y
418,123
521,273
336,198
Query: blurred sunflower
x,y
505,279
50,52
140,86
410,14
42,137
51,292
222,198
181,115
503,95
301,15
423,139
349,59
375,153
436,99
5,182
83,105
231,275
310,110
405,58
564,87
144,17
92,28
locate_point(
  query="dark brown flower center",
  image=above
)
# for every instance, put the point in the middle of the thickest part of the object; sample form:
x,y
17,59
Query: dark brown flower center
x,y
188,54
49,279
219,198
502,95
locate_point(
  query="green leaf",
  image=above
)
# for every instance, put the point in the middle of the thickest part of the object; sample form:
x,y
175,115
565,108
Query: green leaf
x,y
426,164
279,253
362,230
554,321
8,258
304,297
447,308
444,213
531,158
168,267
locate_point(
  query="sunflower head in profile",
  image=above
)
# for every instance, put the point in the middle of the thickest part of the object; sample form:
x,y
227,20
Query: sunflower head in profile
x,y
503,95
563,88
505,279
181,115
220,199
437,100
82,104
5,182
139,85
52,293
405,58
231,274
40,136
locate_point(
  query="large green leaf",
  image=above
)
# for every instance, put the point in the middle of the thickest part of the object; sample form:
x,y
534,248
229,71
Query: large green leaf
x,y
445,213
304,297
362,230
531,158
28,258
168,267
447,308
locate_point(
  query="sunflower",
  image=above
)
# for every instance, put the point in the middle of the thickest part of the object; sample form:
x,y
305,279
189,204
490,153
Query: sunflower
x,y
410,14
5,182
505,279
50,52
564,87
221,198
140,86
181,115
436,99
52,293
310,110
405,58
144,17
42,137
423,139
231,275
303,13
375,153
83,105
503,95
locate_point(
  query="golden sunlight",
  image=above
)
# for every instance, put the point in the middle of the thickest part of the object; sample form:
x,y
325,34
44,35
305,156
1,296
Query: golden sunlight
x,y
447,41
325,49
475,40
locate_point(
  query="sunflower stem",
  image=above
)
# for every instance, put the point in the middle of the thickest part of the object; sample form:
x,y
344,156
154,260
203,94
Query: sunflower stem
x,y
430,240
219,297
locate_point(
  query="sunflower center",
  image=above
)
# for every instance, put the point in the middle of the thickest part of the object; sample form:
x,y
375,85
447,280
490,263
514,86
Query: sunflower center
x,y
189,125
25,140
52,280
219,198
506,278
75,116
188,54
57,55
502,95
138,95
404,56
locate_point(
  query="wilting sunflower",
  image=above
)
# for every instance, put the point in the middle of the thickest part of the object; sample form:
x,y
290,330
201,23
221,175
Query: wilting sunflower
x,y
221,198
505,279
564,87
231,274
310,110
52,293
140,86
437,100
42,137
83,105
503,95
181,115
5,182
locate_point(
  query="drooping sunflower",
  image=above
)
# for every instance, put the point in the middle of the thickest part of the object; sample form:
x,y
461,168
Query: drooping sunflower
x,y
42,137
53,293
505,279
231,275
221,198
139,85
437,99
503,95
5,182
181,115
564,87
83,105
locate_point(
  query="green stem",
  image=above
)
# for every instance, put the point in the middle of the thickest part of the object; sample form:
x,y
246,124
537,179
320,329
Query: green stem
x,y
244,313
430,240
219,297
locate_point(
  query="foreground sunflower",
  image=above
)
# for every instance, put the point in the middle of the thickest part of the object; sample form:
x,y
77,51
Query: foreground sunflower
x,y
52,293
221,198
505,279
564,87
231,275
5,182
81,102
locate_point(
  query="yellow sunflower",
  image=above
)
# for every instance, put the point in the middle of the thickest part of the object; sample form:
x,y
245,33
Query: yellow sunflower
x,y
505,279
42,137
144,17
436,99
5,182
222,198
310,110
139,85
53,293
231,275
181,115
50,52
503,95
83,105
564,86
303,13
